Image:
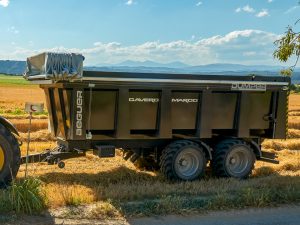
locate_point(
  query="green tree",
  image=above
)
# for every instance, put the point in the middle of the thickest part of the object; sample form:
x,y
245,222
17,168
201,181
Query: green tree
x,y
288,46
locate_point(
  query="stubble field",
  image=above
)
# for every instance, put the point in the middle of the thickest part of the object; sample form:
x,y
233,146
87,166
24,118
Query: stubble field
x,y
116,187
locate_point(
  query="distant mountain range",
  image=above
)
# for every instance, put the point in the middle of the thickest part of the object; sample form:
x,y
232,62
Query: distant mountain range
x,y
18,68
209,69
147,63
12,67
217,67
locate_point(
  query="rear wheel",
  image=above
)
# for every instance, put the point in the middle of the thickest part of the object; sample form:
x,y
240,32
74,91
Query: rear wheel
x,y
183,160
9,156
233,158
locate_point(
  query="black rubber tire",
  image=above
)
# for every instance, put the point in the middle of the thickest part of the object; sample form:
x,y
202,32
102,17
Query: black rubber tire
x,y
12,156
169,155
221,153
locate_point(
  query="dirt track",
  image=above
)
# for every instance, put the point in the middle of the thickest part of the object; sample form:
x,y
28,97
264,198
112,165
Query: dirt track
x,y
284,215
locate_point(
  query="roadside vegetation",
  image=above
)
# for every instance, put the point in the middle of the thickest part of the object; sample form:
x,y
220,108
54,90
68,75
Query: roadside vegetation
x,y
295,88
23,196
99,188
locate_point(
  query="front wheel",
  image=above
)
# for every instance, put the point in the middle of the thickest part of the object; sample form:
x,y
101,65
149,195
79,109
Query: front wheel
x,y
9,156
183,160
233,158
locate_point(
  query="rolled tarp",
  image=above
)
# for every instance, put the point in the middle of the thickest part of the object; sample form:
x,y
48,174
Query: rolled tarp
x,y
54,66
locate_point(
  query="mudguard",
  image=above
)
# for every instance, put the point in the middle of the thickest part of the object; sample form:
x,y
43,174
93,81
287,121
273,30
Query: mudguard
x,y
9,125
256,148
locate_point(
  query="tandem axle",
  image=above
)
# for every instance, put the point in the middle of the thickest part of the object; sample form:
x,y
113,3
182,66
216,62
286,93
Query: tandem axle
x,y
61,153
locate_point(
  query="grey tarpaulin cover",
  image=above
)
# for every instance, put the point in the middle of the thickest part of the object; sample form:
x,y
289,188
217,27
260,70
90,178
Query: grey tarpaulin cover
x,y
54,66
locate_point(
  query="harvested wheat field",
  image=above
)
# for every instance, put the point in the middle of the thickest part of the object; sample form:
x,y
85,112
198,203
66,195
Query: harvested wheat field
x,y
119,188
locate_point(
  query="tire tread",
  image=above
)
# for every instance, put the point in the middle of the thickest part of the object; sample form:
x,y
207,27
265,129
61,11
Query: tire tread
x,y
14,165
219,154
168,155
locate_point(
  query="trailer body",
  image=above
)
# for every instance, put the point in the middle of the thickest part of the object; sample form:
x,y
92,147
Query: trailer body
x,y
178,121
119,108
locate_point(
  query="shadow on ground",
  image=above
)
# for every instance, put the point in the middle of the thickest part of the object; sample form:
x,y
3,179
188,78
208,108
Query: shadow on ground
x,y
114,185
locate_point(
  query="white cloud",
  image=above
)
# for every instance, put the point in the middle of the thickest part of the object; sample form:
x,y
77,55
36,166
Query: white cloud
x,y
238,10
249,53
234,47
247,35
199,3
246,8
292,9
270,1
4,3
13,30
249,9
129,2
262,13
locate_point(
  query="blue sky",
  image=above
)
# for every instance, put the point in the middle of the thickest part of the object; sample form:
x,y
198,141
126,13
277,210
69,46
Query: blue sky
x,y
111,31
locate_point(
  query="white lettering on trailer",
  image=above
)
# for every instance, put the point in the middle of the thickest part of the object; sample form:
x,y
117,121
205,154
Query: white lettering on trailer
x,y
185,100
152,100
79,106
248,87
155,100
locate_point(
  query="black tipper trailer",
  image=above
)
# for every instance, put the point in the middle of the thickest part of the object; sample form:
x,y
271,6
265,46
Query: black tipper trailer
x,y
176,121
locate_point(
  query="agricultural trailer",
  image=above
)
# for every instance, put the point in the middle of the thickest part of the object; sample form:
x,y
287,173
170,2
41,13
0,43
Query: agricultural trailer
x,y
178,123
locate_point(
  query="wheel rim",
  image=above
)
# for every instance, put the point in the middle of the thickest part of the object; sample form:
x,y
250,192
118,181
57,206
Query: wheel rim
x,y
187,163
2,158
237,160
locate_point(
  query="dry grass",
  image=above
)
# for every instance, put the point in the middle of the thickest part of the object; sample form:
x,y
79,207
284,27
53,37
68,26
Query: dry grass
x,y
294,103
36,124
289,164
96,179
38,136
291,144
115,183
294,133
36,147
15,97
69,194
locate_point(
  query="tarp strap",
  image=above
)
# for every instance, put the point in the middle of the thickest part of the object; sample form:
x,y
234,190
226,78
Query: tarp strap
x,y
89,134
